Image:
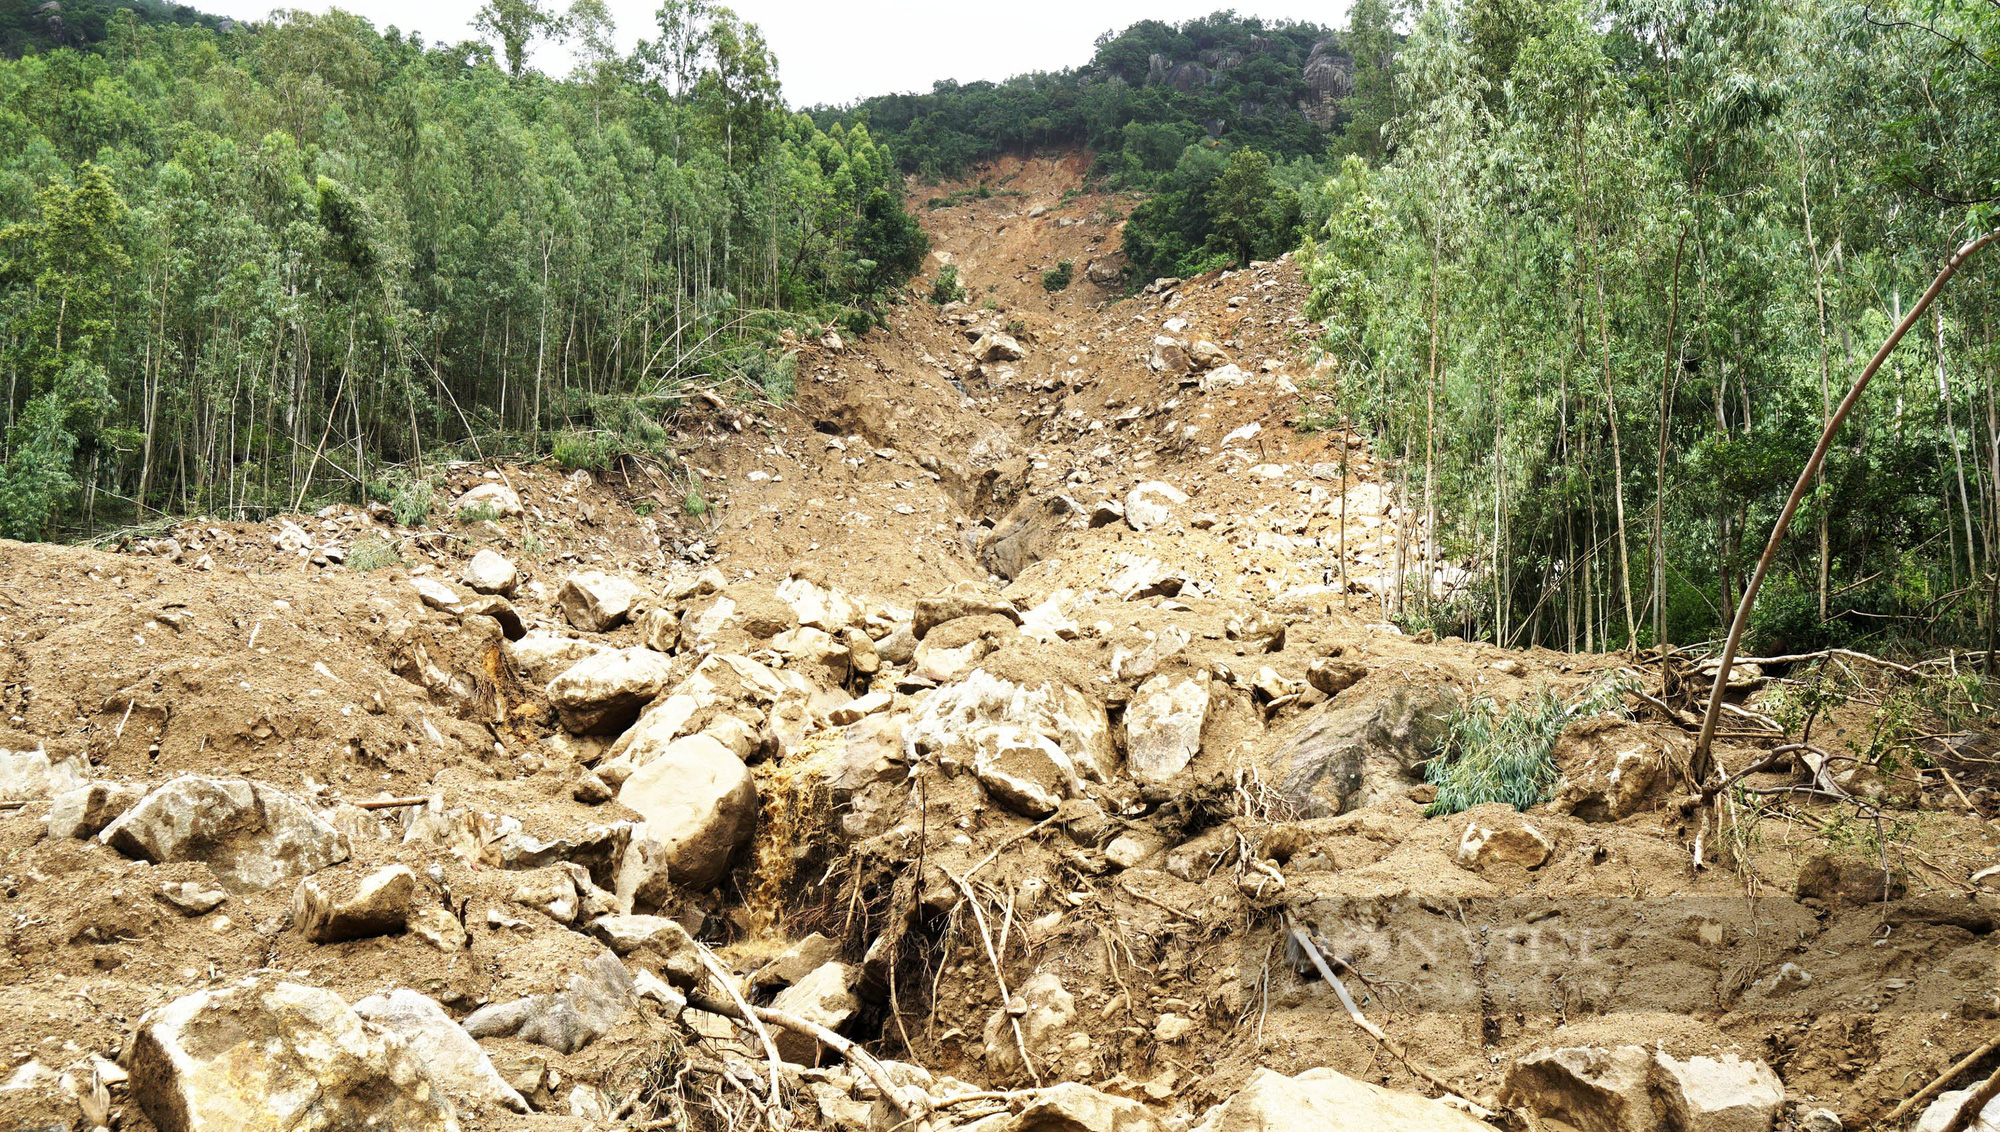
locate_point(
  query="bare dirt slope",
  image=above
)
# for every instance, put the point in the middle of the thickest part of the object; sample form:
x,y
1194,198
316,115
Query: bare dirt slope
x,y
1051,652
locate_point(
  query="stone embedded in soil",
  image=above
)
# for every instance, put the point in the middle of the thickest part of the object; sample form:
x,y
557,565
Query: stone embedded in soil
x,y
271,1056
1206,354
825,996
1324,1100
248,834
335,906
660,630
594,601
604,694
997,347
963,599
1846,883
86,810
1726,1094
449,1056
1023,771
1070,1107
490,496
1151,505
438,928
797,961
1127,851
542,656
1940,1112
435,594
1350,754
700,808
1631,1089
33,775
192,898
1332,676
1514,843
1047,1010
593,1001
1163,726
854,710
490,572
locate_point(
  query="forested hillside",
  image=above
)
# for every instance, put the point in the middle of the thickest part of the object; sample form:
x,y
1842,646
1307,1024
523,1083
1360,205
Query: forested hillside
x,y
1167,108
242,270
1621,263
40,25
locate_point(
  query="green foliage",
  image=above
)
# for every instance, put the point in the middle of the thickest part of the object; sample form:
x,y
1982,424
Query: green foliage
x,y
1059,277
478,513
1491,754
35,478
33,25
254,268
1242,75
946,288
372,552
694,504
410,497
575,449
1598,273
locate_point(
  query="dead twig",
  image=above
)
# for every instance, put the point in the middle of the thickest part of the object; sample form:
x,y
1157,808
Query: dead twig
x,y
1388,1043
905,1100
721,976
1938,1083
389,803
1006,998
1974,1105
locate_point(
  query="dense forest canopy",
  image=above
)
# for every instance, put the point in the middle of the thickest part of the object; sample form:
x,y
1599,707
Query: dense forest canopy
x,y
1620,260
43,25
243,269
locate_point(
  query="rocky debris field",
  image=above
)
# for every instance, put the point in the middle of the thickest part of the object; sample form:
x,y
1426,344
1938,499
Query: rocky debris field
x,y
1015,743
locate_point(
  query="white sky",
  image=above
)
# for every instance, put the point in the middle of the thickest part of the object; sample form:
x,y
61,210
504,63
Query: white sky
x,y
836,51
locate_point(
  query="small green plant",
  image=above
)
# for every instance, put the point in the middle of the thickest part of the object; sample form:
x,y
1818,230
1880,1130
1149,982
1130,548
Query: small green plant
x,y
1059,277
947,288
478,513
372,552
694,505
989,305
574,449
410,498
1495,755
642,507
533,546
1016,327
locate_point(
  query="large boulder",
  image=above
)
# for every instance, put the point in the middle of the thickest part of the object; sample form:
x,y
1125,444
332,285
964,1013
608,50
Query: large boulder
x,y
1163,726
605,693
1839,883
825,996
1632,1089
492,496
1496,836
1070,1107
700,806
271,1056
997,347
1352,754
947,726
250,835
594,601
1324,1100
490,572
541,656
452,1060
593,1001
1022,770
332,907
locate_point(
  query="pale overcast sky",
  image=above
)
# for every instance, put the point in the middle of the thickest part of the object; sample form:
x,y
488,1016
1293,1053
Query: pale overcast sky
x,y
835,51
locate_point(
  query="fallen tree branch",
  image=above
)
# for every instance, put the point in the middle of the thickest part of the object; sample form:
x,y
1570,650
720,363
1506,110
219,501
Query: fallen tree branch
x,y
999,977
1394,1047
743,1010
1970,1109
903,1099
388,803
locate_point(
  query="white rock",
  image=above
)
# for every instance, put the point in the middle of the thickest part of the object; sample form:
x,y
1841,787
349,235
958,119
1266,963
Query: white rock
x,y
490,572
825,996
331,907
248,834
1324,1100
541,656
492,496
271,1056
1150,504
1519,845
594,601
605,693
449,1056
1022,770
33,775
700,807
1163,726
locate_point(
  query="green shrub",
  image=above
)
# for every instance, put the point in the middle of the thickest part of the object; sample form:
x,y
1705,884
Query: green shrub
x,y
479,513
574,449
694,505
372,552
946,288
1059,277
857,322
1495,755
410,501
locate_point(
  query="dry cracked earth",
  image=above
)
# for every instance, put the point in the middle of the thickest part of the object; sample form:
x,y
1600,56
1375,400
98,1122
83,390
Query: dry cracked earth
x,y
1016,742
